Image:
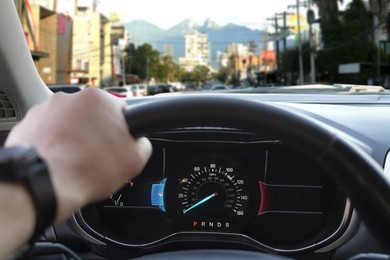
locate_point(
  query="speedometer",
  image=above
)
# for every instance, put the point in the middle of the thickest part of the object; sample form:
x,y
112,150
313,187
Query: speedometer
x,y
211,195
212,190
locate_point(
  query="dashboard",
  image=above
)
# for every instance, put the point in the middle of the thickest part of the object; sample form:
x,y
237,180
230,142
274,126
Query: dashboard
x,y
227,184
227,188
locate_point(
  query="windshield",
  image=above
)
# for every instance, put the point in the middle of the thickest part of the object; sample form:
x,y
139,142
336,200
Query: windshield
x,y
246,46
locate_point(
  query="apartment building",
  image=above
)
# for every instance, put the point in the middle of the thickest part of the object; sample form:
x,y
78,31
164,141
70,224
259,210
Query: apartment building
x,y
91,46
48,35
197,52
69,41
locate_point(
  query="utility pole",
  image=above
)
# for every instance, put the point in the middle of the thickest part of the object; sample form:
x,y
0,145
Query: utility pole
x,y
310,21
300,79
310,14
123,69
90,53
265,48
147,69
284,33
276,37
280,34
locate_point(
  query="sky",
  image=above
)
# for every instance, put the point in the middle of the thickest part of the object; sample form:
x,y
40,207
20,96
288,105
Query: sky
x,y
168,13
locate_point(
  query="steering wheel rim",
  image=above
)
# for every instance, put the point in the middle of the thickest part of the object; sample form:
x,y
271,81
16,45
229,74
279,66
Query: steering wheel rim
x,y
350,166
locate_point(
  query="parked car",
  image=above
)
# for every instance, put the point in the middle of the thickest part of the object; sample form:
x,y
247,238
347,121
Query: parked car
x,y
160,88
122,92
213,85
140,90
219,87
66,88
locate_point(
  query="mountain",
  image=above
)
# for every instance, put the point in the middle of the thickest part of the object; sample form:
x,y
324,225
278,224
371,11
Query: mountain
x,y
143,31
183,27
219,36
140,25
211,24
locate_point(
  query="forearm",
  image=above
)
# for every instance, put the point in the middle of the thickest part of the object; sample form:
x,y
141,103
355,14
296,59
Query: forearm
x,y
86,163
17,218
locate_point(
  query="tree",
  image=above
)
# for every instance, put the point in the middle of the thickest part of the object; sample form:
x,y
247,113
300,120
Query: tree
x,y
233,71
291,59
222,75
130,51
143,60
200,74
187,76
347,40
166,71
328,9
148,60
329,20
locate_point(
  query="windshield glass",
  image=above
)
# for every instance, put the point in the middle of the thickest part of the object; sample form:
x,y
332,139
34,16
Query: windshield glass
x,y
246,46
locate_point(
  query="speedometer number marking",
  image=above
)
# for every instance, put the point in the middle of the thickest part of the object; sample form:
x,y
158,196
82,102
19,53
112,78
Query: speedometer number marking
x,y
215,191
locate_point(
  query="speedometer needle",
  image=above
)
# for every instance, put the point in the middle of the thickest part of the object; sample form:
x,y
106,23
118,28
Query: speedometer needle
x,y
200,202
116,202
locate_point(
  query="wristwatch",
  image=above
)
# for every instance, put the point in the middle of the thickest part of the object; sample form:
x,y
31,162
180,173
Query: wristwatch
x,y
21,164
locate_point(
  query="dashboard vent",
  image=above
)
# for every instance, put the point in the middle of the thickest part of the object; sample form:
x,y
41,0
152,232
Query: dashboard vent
x,y
7,108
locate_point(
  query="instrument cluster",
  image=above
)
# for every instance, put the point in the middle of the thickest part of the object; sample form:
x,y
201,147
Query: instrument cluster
x,y
259,190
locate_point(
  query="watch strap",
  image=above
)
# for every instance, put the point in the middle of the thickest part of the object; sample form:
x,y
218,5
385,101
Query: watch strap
x,y
39,184
21,164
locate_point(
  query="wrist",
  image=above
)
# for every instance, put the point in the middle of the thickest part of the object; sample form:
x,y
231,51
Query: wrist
x,y
20,165
18,217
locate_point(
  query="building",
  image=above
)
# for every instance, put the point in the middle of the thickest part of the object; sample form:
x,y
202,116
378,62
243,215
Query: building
x,y
69,40
48,35
381,36
237,49
92,51
247,64
168,50
222,59
66,7
380,11
197,51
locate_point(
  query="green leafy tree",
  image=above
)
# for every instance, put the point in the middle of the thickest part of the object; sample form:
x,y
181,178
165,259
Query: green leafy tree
x,y
222,75
291,59
234,77
329,20
147,62
349,42
166,71
328,9
129,52
201,73
143,60
179,73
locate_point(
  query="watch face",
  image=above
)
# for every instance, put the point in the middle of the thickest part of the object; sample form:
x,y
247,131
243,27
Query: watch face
x,y
17,154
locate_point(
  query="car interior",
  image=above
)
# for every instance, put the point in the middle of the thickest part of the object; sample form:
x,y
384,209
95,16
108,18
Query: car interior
x,y
239,174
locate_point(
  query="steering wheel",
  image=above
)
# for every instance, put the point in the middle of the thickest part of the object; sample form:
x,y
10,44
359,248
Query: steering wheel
x,y
350,166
